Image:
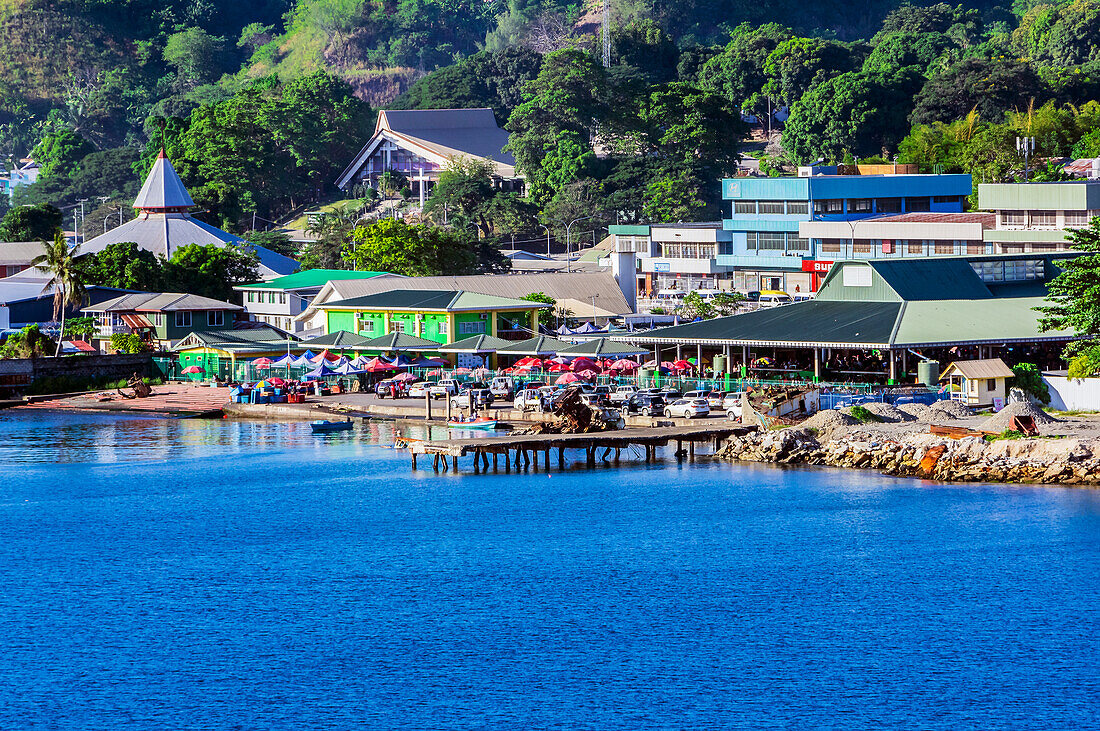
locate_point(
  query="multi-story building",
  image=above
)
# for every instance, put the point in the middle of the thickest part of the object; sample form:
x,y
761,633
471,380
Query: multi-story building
x,y
1034,217
674,256
162,319
279,301
768,251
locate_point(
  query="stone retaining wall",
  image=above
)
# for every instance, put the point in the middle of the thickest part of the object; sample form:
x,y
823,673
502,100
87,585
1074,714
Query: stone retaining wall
x,y
18,373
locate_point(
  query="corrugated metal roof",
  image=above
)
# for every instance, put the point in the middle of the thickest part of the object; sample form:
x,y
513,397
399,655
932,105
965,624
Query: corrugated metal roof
x,y
540,345
399,341
931,279
603,348
259,338
416,299
560,286
476,344
821,323
161,302
471,131
338,339
311,278
163,233
988,368
998,319
163,188
987,220
20,252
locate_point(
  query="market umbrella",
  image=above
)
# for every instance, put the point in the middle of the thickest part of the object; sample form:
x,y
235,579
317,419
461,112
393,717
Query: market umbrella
x,y
566,378
587,374
530,361
405,377
581,364
462,371
276,381
285,361
347,369
624,364
376,365
193,369
261,385
683,365
262,363
558,368
308,355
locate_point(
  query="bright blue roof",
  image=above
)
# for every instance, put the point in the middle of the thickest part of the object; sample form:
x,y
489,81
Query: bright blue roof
x,y
845,186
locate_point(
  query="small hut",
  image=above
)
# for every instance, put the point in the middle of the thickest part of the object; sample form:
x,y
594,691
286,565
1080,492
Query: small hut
x,y
978,382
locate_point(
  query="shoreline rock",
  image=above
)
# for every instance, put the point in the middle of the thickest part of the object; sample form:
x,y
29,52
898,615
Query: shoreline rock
x,y
1066,461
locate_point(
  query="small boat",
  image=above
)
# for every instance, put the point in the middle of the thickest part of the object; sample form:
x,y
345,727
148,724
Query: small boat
x,y
324,427
480,422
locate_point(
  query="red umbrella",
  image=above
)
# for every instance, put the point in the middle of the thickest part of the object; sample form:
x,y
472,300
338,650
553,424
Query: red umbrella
x,y
193,369
683,365
507,370
529,361
587,374
558,368
581,364
566,378
262,362
462,370
276,381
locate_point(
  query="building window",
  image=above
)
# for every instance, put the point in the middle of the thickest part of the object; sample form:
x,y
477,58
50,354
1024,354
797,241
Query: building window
x,y
215,318
798,208
945,247
1075,219
1012,248
396,326
798,244
1043,219
888,205
859,205
945,199
1013,270
771,207
725,248
829,206
916,205
159,319
477,327
1013,218
830,246
366,326
744,207
914,246
771,241
282,298
183,318
750,241
1046,246
990,384
862,246
887,247
975,248
443,328
250,296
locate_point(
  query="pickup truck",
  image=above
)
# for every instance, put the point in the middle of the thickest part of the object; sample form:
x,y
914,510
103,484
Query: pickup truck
x,y
502,387
622,393
529,399
481,397
443,389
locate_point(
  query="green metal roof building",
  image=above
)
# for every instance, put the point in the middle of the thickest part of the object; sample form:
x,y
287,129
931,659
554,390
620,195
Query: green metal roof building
x,y
439,316
279,301
983,304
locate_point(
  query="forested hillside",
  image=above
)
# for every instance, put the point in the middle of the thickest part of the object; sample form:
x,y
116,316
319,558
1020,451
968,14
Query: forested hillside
x,y
261,102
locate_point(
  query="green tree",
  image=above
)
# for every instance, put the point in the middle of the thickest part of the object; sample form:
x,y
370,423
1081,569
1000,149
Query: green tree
x,y
991,87
412,250
31,223
695,307
694,126
129,344
540,297
80,327
198,57
1074,295
1029,379
59,152
30,342
211,270
796,64
277,241
65,279
738,72
124,266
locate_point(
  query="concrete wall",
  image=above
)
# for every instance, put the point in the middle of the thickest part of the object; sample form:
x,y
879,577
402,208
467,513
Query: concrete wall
x,y
18,373
1070,394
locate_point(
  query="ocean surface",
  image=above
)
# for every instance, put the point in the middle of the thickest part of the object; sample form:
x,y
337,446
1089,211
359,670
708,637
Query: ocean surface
x,y
171,574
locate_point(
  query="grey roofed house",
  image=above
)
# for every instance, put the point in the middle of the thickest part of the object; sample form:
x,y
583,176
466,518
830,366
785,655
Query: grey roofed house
x,y
164,224
161,302
421,142
16,256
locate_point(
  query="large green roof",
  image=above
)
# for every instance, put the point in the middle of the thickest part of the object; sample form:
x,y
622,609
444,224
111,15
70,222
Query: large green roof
x,y
259,339
476,344
398,341
541,345
419,300
338,339
310,278
603,348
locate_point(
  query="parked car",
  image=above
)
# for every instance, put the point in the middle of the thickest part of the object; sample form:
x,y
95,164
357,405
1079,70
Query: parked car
x,y
687,408
418,389
645,404
696,394
384,389
731,400
671,394
529,399
622,393
443,389
481,397
503,387
714,400
774,298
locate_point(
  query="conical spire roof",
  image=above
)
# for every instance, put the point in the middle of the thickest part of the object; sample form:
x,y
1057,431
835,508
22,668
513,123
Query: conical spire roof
x,y
163,189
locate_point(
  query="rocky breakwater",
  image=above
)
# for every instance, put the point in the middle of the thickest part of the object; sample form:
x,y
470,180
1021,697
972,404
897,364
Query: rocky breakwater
x,y
917,453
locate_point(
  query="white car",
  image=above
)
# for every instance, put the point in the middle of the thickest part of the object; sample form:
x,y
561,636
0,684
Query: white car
x,y
730,400
687,408
622,393
418,389
443,389
529,399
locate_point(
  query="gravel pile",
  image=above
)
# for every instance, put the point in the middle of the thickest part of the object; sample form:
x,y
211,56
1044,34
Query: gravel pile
x,y
827,420
1002,420
887,412
921,412
951,408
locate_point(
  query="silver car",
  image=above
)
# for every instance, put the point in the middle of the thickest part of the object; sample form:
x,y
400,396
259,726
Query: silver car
x,y
687,408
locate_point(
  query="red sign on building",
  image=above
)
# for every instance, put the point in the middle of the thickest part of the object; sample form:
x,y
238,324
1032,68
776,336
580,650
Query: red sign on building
x,y
817,267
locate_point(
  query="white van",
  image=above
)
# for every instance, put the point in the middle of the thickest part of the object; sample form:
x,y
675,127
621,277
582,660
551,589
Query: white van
x,y
774,298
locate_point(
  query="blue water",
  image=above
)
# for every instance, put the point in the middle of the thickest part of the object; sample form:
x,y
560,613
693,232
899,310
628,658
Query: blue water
x,y
213,575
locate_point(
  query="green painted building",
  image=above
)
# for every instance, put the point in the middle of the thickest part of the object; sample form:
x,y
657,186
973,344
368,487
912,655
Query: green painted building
x,y
163,318
279,301
441,316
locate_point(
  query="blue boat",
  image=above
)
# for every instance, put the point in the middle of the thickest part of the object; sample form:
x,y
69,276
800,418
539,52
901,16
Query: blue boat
x,y
325,427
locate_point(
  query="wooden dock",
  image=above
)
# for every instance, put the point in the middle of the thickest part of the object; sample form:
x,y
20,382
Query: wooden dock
x,y
523,451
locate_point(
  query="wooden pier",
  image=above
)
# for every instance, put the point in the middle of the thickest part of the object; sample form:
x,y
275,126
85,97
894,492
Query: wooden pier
x,y
520,452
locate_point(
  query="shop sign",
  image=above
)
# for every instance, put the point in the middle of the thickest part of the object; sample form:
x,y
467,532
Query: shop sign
x,y
817,267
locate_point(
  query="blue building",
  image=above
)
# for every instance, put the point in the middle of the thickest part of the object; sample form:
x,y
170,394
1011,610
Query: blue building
x,y
767,250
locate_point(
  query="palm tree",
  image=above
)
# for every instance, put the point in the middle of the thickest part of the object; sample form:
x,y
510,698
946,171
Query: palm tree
x,y
59,261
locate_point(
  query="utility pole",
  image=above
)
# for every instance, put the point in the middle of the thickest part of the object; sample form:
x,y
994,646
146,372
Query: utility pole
x,y
606,32
1026,147
81,232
